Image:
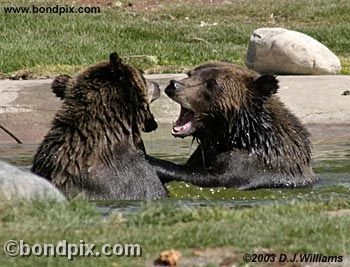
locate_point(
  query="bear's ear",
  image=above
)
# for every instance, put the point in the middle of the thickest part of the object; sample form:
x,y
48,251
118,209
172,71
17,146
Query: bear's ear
x,y
59,85
115,60
265,85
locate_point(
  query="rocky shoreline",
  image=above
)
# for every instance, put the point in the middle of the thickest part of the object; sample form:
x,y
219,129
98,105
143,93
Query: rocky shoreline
x,y
27,107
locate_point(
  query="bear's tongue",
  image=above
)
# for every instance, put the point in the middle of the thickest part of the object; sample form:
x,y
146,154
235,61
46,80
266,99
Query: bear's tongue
x,y
183,124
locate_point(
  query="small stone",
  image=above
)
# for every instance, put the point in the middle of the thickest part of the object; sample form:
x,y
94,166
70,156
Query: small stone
x,y
346,92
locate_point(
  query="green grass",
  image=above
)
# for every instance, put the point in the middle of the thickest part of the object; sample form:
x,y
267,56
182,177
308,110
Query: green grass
x,y
297,227
168,39
46,44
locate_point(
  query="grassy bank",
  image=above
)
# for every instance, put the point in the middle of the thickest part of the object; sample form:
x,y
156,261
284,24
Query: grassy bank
x,y
171,37
166,37
297,227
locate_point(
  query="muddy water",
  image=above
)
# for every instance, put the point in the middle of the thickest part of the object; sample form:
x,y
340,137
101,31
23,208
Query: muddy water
x,y
331,162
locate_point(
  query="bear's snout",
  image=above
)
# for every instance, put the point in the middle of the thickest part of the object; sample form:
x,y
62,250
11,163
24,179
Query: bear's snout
x,y
153,91
156,91
172,88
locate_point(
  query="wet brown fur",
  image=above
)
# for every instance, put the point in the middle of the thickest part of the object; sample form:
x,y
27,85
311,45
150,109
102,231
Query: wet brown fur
x,y
94,145
247,137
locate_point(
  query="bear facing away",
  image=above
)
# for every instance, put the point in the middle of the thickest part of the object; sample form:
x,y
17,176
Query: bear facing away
x,y
247,138
94,146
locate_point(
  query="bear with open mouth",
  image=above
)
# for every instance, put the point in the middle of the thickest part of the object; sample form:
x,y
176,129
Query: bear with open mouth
x,y
247,138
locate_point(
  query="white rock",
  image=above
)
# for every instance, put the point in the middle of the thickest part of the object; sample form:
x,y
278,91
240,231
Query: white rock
x,y
281,51
17,184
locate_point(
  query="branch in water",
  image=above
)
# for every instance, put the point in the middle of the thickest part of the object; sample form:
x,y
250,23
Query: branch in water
x,y
11,134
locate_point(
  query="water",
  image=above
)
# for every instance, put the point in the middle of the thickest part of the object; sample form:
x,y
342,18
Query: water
x,y
331,162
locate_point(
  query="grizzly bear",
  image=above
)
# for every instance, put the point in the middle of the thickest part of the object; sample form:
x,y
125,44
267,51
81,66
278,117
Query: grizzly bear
x,y
94,147
247,138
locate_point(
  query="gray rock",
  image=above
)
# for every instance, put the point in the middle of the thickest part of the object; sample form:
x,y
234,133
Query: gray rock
x,y
17,184
281,51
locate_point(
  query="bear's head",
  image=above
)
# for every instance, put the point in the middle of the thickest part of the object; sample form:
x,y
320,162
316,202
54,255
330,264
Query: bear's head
x,y
228,107
218,97
109,92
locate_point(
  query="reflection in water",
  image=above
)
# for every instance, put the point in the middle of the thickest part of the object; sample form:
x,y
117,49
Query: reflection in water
x,y
18,154
331,161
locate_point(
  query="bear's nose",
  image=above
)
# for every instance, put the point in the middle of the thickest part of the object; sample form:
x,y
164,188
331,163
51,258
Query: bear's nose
x,y
175,84
172,88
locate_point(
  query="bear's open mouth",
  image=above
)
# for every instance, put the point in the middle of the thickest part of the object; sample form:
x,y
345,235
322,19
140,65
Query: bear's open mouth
x,y
183,125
